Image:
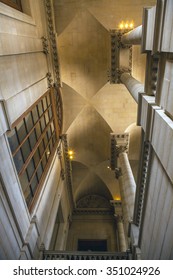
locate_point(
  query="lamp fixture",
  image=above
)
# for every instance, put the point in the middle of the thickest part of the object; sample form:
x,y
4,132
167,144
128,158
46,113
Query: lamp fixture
x,y
126,25
117,198
71,154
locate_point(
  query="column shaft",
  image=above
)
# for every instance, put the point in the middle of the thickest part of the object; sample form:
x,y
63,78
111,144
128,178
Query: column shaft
x,y
133,86
133,37
121,236
128,184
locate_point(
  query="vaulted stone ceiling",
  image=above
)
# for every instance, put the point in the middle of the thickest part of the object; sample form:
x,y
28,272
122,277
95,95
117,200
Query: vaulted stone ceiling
x,y
93,108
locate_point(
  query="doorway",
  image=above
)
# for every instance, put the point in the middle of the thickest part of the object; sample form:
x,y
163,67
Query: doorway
x,y
92,245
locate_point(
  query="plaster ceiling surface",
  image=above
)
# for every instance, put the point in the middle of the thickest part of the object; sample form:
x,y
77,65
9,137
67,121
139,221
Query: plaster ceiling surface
x,y
93,108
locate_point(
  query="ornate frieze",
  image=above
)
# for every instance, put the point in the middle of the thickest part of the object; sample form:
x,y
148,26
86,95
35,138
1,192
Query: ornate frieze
x,y
93,201
87,211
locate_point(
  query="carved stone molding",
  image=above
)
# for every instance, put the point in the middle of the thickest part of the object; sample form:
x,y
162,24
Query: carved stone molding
x,y
49,79
45,45
119,144
116,69
62,174
87,211
59,152
142,184
52,38
93,201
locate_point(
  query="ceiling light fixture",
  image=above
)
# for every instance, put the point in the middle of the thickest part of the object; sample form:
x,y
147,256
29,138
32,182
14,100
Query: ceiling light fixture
x,y
126,25
71,154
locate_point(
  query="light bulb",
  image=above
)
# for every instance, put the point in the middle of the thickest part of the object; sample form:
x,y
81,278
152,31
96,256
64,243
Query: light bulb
x,y
131,25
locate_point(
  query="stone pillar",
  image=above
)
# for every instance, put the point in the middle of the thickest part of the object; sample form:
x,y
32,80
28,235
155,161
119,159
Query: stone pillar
x,y
121,235
126,215
133,86
128,183
133,37
119,149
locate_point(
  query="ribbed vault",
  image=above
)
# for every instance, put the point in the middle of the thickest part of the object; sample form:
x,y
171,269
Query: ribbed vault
x,y
92,107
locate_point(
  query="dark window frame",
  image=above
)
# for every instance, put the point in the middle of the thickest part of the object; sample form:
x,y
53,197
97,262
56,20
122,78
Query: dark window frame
x,y
10,3
49,145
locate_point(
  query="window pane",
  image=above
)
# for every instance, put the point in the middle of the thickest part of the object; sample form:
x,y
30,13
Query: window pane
x,y
32,139
54,139
47,117
44,161
18,160
35,114
24,181
39,172
36,158
48,100
43,125
21,131
49,133
40,108
26,149
30,169
50,113
45,140
51,145
38,130
12,138
28,196
29,122
44,104
34,184
41,148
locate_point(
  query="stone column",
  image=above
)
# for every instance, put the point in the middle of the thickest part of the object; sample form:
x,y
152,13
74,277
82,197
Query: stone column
x,y
121,234
133,86
125,210
133,37
128,184
123,172
122,237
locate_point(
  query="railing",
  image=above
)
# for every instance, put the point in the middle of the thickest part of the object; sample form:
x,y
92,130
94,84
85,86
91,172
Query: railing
x,y
65,255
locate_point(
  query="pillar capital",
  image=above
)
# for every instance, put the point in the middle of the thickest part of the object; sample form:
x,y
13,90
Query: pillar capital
x,y
119,144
